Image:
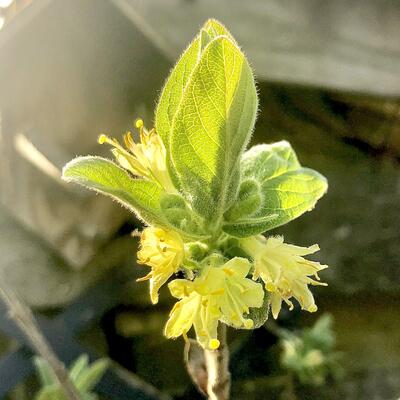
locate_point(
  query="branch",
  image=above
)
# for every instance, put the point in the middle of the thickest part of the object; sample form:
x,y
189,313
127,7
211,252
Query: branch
x,y
217,362
24,319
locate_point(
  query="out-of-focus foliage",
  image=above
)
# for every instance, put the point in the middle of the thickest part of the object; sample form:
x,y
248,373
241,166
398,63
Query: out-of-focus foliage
x,y
310,355
82,374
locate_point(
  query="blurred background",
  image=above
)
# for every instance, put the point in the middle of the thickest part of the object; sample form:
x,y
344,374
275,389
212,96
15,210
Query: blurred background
x,y
329,82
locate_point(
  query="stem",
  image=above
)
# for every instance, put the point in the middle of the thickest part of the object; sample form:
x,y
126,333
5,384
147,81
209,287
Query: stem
x,y
23,317
217,362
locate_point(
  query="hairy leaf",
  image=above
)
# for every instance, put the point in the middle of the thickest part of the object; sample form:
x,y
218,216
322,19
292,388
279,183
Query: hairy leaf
x,y
102,175
212,126
287,189
172,93
141,196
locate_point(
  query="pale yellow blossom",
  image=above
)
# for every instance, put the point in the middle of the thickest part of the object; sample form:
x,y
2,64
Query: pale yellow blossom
x,y
146,159
284,270
163,251
219,294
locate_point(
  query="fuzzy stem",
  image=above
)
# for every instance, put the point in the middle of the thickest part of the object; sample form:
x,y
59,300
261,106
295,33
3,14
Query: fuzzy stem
x,y
23,317
217,362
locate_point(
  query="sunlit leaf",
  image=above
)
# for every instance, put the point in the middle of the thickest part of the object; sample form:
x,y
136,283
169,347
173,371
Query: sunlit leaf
x,y
212,126
102,175
175,85
141,196
287,189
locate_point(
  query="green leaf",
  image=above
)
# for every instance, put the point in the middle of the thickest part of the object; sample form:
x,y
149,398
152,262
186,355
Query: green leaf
x,y
212,126
175,85
177,212
248,201
287,189
78,366
260,315
205,38
171,94
141,196
102,175
50,393
46,374
88,378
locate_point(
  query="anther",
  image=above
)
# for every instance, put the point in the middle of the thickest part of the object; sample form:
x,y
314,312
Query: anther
x,y
214,344
102,139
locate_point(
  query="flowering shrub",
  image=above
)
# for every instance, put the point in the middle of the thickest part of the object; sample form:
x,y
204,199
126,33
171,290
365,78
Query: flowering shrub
x,y
206,200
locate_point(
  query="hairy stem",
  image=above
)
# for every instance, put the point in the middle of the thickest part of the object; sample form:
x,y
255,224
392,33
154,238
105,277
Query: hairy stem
x,y
217,362
23,317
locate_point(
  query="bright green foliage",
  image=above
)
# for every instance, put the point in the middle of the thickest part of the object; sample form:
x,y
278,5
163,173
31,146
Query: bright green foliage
x,y
176,83
205,199
82,375
287,190
212,127
311,355
141,196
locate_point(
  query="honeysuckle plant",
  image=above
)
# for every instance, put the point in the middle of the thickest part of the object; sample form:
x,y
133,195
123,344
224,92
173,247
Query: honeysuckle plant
x,y
206,201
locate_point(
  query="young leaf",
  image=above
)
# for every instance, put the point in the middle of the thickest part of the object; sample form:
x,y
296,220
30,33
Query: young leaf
x,y
50,393
287,189
46,374
214,28
175,85
212,126
141,196
171,95
176,211
88,378
79,365
102,175
260,315
248,201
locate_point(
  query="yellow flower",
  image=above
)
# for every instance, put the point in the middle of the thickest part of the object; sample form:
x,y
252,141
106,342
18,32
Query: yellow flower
x,y
218,294
163,251
146,159
284,270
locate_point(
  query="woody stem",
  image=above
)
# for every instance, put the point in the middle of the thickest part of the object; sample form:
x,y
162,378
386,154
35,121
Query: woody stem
x,y
217,363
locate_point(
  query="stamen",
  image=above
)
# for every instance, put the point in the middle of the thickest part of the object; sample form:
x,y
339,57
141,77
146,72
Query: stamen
x,y
214,344
312,308
139,123
248,323
145,278
102,139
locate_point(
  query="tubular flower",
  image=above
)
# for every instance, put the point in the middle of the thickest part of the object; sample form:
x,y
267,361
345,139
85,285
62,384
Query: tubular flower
x,y
146,159
220,293
163,251
284,270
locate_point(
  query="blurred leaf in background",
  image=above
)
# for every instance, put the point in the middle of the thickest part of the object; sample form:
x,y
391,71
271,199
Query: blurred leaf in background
x,y
84,375
310,354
